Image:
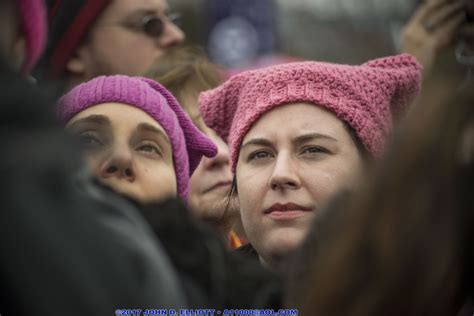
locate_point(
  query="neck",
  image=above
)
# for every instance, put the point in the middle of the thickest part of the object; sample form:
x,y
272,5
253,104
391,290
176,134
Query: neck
x,y
275,264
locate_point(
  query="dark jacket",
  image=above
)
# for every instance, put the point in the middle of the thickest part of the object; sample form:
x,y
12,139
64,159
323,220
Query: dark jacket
x,y
248,251
67,247
212,275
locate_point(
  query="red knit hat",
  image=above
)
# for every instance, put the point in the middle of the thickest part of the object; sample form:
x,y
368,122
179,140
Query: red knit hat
x,y
33,23
365,97
69,23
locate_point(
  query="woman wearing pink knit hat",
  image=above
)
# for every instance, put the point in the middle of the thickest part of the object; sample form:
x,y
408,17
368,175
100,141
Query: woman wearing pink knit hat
x,y
137,138
300,132
23,32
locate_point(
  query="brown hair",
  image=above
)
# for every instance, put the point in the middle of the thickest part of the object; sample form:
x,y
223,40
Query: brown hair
x,y
403,244
186,71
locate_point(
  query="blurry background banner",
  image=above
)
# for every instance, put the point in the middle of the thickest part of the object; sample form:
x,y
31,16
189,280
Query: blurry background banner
x,y
237,32
240,30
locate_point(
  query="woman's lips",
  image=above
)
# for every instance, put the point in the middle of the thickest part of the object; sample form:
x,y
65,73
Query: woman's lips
x,y
287,215
286,211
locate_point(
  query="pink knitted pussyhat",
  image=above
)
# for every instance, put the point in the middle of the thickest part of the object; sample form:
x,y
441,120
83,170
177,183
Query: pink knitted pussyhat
x,y
366,97
187,142
34,27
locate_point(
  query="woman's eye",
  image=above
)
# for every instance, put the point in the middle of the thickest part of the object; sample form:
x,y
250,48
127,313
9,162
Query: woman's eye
x,y
89,141
314,150
148,148
258,155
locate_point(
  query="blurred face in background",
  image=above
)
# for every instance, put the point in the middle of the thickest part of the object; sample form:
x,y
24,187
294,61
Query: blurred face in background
x,y
186,72
12,43
211,182
287,170
126,39
127,150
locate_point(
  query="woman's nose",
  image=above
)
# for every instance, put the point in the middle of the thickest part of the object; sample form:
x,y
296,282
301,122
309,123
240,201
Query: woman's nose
x,y
284,175
119,164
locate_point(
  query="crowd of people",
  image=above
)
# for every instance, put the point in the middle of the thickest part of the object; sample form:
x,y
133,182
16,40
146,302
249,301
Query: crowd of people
x,y
139,175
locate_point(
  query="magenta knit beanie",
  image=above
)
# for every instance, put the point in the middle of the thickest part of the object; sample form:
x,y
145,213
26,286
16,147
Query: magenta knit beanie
x,y
365,97
188,143
34,26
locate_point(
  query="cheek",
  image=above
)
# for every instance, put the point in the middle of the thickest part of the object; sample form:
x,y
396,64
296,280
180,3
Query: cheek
x,y
198,179
148,47
322,184
351,170
158,182
325,181
123,47
94,161
251,192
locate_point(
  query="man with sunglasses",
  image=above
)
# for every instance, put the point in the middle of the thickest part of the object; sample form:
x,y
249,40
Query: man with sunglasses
x,y
89,38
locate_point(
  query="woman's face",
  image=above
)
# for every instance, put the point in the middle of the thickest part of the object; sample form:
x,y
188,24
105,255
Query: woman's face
x,y
290,163
127,150
211,181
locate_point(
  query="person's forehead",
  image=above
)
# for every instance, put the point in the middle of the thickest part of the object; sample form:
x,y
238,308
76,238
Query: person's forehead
x,y
119,114
127,7
297,118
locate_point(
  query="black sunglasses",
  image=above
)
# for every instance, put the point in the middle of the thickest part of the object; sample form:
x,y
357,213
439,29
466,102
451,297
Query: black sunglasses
x,y
154,26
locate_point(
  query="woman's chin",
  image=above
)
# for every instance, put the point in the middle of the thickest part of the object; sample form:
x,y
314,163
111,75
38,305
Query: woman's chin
x,y
279,245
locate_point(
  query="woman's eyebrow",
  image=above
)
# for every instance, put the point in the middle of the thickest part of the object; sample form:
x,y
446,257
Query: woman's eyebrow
x,y
257,141
297,140
146,127
312,136
91,119
143,12
148,11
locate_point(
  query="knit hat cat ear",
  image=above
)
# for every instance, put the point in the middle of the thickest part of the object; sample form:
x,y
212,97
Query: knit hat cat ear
x,y
218,107
405,71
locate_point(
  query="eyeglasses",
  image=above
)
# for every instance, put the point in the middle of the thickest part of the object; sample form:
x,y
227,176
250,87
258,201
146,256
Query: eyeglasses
x,y
152,26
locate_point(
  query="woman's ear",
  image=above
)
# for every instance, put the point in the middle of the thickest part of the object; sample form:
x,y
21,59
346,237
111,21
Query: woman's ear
x,y
76,66
79,64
